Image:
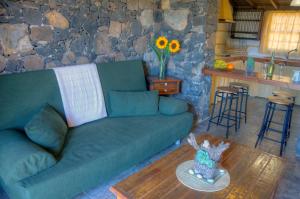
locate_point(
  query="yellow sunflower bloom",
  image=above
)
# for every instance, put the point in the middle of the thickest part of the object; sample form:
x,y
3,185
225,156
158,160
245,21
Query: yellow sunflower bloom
x,y
161,42
174,46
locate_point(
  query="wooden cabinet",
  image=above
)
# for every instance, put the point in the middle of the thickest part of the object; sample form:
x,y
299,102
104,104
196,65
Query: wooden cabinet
x,y
168,86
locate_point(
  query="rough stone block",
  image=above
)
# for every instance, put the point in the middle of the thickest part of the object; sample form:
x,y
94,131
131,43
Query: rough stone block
x,y
2,63
133,4
82,60
13,65
115,29
165,5
68,58
57,20
146,18
33,62
41,34
32,16
103,44
140,45
146,4
14,38
52,4
177,19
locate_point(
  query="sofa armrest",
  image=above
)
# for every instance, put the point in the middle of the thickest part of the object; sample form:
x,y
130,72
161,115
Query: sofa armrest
x,y
172,106
21,158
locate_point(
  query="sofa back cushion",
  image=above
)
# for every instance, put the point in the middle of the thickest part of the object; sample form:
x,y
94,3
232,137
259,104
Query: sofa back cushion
x,y
133,103
22,95
121,76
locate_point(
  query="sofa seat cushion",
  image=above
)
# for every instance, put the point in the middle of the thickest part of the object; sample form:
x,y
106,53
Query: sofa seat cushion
x,y
48,129
133,103
20,158
99,150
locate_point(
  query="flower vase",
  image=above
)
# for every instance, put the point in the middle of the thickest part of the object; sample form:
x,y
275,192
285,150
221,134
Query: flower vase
x,y
162,70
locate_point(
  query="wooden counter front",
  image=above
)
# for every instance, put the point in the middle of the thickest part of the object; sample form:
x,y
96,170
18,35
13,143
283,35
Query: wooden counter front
x,y
283,82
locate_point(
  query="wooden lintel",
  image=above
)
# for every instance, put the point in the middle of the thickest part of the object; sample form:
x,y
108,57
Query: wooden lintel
x,y
274,4
250,2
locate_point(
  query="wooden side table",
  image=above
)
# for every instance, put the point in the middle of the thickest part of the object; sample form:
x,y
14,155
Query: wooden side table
x,y
167,86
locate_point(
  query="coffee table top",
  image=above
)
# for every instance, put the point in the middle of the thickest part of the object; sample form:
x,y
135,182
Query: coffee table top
x,y
253,174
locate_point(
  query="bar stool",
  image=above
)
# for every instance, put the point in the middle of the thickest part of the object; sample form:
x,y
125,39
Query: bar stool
x,y
244,93
228,96
276,104
289,96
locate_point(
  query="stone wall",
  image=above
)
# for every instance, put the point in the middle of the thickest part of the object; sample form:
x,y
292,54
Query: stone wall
x,y
42,34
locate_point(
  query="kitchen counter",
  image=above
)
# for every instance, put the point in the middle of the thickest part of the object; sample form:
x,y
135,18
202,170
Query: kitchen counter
x,y
266,88
283,82
289,62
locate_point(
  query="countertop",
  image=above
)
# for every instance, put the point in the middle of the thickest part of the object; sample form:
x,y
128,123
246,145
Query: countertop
x,y
289,62
283,82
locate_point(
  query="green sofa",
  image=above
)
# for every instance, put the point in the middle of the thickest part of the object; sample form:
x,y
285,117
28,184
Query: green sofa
x,y
94,152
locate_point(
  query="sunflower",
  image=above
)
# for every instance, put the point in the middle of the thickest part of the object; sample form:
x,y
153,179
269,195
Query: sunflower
x,y
174,46
161,42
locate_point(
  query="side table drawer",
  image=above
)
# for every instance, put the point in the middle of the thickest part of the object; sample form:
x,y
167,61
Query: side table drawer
x,y
168,86
164,85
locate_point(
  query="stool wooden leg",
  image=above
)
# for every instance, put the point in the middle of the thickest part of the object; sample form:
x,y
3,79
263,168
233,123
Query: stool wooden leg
x,y
213,110
212,88
241,108
246,105
237,120
271,118
228,114
284,130
264,124
220,109
224,108
290,120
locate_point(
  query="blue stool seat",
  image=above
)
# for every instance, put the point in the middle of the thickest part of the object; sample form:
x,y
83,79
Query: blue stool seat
x,y
228,97
276,104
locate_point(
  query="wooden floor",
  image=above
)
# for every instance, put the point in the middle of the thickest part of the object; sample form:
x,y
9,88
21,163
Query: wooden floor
x,y
289,186
254,174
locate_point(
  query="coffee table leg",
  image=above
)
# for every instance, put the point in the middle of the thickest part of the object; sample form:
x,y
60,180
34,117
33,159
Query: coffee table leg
x,y
117,193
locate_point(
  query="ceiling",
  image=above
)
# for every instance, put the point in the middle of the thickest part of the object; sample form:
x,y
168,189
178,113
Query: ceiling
x,y
266,4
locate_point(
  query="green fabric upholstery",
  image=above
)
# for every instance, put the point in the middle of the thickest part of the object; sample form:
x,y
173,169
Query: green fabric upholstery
x,y
121,76
124,103
47,129
23,95
97,151
94,152
20,158
172,106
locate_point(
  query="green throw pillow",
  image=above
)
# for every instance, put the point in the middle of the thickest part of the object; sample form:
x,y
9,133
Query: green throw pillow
x,y
21,158
47,129
133,103
172,106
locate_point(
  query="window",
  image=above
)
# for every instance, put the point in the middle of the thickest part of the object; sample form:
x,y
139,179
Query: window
x,y
281,32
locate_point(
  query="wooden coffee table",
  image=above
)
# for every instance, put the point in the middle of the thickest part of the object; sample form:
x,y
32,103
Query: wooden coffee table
x,y
253,173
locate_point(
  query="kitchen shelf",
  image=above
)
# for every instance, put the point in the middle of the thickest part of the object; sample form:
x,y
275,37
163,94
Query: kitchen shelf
x,y
247,24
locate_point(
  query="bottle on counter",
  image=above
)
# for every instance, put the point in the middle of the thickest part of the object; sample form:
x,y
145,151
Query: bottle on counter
x,y
250,66
271,67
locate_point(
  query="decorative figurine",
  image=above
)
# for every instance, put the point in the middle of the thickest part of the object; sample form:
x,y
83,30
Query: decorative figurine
x,y
206,160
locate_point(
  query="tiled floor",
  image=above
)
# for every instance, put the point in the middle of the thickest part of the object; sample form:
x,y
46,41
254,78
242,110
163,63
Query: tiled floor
x,y
289,187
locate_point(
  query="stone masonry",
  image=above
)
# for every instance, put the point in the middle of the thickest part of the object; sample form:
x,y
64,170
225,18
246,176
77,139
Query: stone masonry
x,y
41,34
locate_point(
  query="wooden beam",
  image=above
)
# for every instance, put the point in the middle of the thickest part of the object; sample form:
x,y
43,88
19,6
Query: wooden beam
x,y
250,2
274,4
